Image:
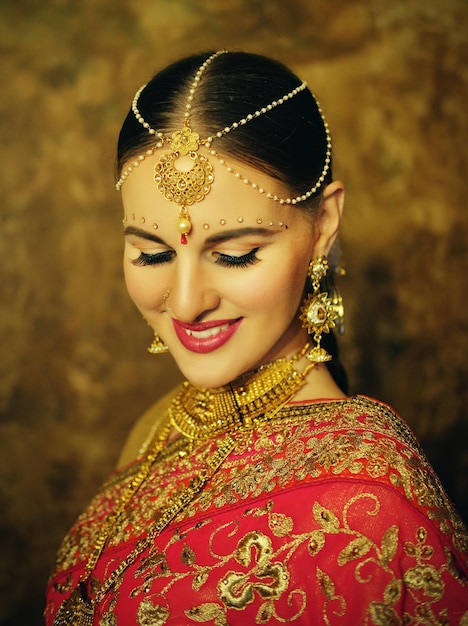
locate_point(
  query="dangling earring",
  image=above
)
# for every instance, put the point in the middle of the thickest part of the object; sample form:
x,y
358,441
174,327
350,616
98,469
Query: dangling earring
x,y
158,346
318,313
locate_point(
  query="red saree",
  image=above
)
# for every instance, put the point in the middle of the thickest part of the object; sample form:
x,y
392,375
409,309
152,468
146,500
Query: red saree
x,y
329,515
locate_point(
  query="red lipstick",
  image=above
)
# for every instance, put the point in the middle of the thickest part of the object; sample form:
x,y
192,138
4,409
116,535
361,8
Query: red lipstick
x,y
206,336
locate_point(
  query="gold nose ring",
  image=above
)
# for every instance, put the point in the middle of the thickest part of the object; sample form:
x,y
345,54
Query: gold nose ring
x,y
165,298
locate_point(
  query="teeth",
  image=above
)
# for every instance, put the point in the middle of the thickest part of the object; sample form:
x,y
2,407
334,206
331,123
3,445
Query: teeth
x,y
209,332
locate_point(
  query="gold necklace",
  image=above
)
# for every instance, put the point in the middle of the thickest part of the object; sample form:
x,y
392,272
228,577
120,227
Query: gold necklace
x,y
197,414
204,413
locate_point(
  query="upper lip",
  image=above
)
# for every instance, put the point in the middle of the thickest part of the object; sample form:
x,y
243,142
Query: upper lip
x,y
206,336
204,325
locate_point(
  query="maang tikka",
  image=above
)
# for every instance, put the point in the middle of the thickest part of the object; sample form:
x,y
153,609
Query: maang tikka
x,y
185,176
319,311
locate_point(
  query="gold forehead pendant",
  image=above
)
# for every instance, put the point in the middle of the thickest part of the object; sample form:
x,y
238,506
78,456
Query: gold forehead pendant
x,y
185,176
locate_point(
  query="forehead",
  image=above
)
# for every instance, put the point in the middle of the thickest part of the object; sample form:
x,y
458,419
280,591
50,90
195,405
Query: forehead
x,y
228,198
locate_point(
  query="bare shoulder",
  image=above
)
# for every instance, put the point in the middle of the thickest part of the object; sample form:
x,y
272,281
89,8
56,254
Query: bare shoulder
x,y
144,426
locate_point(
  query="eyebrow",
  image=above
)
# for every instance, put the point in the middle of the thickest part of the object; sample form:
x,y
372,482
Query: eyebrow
x,y
139,232
239,232
218,238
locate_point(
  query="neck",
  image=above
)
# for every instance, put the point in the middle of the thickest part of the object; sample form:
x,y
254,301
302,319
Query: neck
x,y
319,385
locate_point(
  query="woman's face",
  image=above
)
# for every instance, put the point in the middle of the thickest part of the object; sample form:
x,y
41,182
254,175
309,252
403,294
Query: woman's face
x,y
235,286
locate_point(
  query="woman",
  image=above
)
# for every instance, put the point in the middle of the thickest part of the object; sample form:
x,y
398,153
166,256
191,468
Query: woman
x,y
258,492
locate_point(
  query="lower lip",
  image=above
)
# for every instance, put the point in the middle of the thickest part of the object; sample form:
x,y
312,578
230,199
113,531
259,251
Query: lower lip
x,y
208,344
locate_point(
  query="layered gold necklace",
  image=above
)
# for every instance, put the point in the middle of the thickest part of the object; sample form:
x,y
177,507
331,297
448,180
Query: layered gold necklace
x,y
230,413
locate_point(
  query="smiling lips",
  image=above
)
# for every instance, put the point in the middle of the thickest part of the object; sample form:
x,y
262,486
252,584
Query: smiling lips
x,y
207,336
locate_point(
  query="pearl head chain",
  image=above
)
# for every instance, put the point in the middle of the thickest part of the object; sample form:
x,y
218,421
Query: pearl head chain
x,y
197,182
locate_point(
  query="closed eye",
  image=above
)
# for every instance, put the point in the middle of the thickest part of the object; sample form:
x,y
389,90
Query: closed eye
x,y
154,259
228,260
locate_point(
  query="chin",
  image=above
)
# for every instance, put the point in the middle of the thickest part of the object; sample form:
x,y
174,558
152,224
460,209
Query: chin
x,y
207,381
210,375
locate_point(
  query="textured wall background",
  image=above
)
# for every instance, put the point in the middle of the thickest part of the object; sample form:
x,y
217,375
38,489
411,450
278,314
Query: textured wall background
x,y
393,81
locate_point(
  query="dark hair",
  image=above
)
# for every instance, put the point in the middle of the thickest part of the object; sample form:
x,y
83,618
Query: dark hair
x,y
289,142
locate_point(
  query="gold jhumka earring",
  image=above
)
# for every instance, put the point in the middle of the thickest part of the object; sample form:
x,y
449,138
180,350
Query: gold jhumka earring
x,y
158,346
185,176
319,312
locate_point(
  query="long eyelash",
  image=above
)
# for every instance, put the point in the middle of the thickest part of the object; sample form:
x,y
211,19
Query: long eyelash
x,y
153,259
226,260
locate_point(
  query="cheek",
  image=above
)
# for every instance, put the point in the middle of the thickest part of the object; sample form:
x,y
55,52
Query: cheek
x,y
142,287
277,290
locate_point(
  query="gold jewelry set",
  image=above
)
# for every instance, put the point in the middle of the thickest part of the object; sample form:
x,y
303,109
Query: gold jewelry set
x,y
230,413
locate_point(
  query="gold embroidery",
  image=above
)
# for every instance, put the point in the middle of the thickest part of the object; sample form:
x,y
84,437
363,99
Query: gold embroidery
x,y
188,556
355,438
66,586
151,614
108,619
268,578
311,451
152,567
389,544
383,615
392,592
316,542
328,590
280,525
423,576
237,589
423,581
356,549
326,519
208,612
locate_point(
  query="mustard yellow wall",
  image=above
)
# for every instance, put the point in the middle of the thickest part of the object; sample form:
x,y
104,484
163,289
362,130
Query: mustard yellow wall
x,y
74,373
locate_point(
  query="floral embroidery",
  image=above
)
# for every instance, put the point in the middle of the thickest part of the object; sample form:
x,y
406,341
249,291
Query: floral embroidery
x,y
208,612
220,559
237,589
151,614
288,450
260,577
328,589
422,580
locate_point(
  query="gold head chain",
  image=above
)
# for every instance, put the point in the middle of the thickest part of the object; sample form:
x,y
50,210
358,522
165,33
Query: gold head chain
x,y
188,182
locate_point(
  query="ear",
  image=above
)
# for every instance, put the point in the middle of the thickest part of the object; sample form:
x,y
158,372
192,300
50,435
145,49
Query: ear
x,y
329,218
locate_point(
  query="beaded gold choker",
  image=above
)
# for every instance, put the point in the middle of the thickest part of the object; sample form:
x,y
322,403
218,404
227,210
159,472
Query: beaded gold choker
x,y
185,176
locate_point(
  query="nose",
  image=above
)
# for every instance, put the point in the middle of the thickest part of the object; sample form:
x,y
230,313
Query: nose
x,y
193,292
